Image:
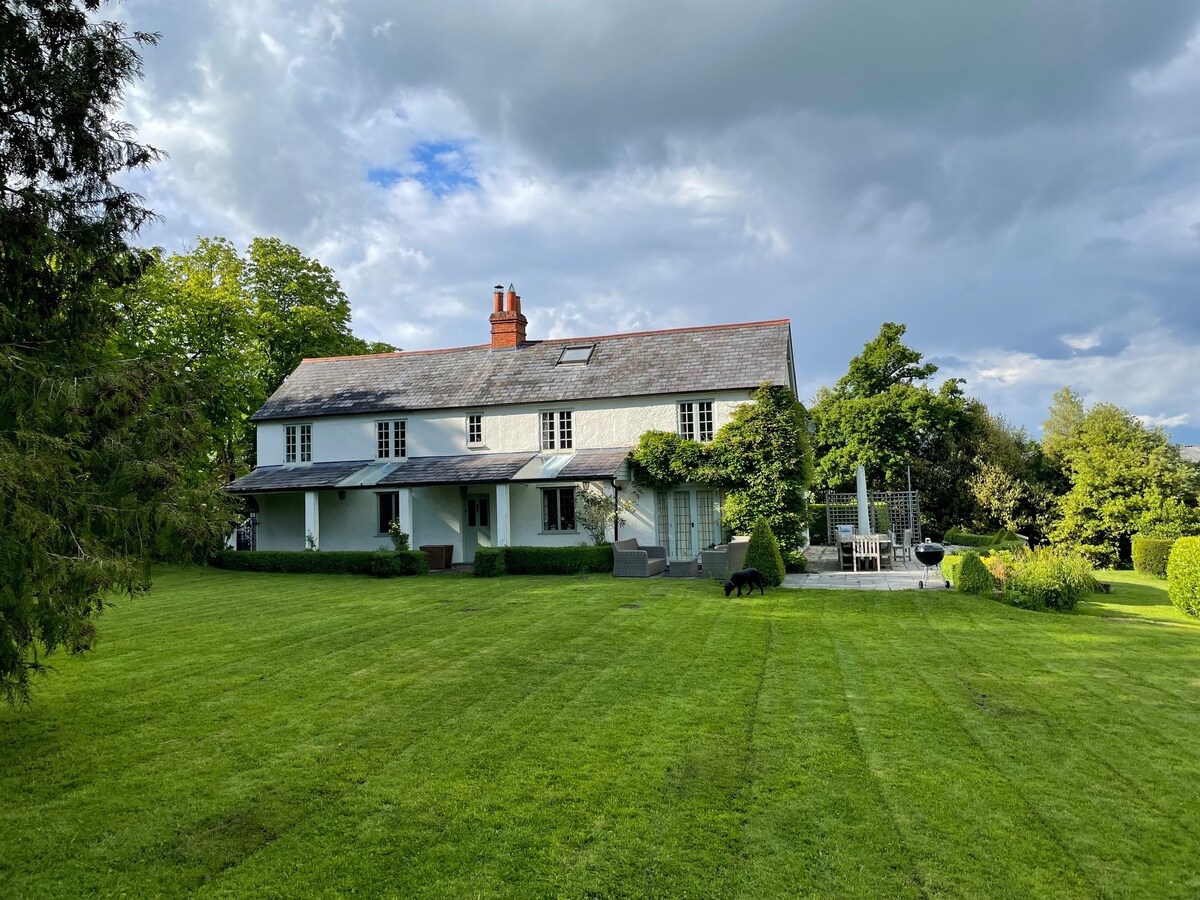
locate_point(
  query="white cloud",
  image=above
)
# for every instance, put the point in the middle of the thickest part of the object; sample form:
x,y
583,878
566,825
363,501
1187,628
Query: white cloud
x,y
1088,341
1164,421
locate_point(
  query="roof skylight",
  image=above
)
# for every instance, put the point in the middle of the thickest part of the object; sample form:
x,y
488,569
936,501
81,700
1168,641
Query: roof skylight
x,y
577,356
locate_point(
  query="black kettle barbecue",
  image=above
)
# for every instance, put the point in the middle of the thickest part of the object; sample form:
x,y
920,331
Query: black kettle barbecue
x,y
930,555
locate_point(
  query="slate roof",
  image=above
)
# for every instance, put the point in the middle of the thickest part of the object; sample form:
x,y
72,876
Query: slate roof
x,y
294,478
476,468
677,361
1191,453
583,465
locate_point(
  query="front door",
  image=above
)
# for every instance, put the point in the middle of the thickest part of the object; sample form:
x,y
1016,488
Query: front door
x,y
477,524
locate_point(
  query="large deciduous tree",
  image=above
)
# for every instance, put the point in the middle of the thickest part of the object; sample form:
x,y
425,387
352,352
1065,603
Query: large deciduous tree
x,y
94,450
1123,478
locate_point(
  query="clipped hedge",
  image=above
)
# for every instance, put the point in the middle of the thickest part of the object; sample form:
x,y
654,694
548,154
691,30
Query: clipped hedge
x,y
973,575
1150,555
558,560
1183,575
952,566
384,563
490,562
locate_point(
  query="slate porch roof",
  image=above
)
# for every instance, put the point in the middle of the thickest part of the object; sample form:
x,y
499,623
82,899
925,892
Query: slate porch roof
x,y
475,468
677,361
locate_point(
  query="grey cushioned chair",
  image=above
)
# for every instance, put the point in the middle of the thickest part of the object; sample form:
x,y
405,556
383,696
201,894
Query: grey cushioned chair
x,y
724,559
630,560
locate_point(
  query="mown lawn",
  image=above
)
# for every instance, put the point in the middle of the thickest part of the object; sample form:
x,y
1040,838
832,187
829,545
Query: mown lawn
x,y
263,735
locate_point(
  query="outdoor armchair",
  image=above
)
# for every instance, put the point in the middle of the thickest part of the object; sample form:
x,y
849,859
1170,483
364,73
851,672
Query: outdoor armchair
x,y
633,561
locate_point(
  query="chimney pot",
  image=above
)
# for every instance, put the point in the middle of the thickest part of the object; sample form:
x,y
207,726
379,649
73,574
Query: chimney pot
x,y
508,325
499,298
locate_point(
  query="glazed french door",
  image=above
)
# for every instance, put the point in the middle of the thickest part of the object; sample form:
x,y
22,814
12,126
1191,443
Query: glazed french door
x,y
688,520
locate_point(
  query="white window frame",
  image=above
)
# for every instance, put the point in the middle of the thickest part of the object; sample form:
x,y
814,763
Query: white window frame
x,y
477,440
692,417
297,443
391,438
556,429
558,490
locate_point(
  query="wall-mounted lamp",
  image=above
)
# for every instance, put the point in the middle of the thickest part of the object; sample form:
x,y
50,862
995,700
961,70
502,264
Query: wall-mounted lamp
x,y
462,489
341,495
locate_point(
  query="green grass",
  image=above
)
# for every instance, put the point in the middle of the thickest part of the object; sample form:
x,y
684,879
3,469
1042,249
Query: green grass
x,y
255,735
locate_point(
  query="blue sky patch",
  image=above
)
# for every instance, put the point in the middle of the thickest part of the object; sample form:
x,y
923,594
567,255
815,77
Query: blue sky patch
x,y
443,167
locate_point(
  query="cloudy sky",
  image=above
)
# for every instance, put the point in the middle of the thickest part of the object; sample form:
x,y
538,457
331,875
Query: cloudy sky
x,y
1017,182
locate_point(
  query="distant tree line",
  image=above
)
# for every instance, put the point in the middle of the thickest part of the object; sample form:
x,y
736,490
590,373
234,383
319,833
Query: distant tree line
x,y
1097,477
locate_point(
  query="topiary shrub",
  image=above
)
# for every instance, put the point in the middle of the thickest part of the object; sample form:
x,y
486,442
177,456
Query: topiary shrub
x,y
1183,575
973,576
490,562
1150,554
763,554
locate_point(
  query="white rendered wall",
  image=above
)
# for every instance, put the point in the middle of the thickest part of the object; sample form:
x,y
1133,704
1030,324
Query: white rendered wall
x,y
506,429
280,522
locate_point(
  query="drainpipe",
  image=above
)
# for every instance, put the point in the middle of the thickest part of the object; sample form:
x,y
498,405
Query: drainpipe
x,y
616,511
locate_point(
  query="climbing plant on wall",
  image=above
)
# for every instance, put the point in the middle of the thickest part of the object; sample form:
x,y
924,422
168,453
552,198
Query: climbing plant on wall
x,y
761,459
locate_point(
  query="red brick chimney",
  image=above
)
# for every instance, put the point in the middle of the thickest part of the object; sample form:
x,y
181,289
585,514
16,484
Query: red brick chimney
x,y
508,325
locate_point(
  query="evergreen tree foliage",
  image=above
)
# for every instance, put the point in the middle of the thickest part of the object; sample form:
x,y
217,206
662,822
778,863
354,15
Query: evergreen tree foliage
x,y
763,553
97,450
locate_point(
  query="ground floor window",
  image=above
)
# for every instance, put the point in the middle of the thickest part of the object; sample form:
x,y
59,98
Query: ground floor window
x,y
558,509
389,510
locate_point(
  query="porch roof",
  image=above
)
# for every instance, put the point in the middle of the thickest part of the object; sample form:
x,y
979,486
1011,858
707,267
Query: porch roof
x,y
475,468
582,465
295,478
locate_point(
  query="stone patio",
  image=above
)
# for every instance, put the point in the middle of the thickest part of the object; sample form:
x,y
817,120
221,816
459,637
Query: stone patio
x,y
826,574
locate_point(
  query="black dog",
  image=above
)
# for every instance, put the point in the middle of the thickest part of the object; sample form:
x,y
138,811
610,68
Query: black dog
x,y
750,578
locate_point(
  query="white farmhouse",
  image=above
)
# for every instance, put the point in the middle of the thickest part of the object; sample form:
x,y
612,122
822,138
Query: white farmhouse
x,y
484,446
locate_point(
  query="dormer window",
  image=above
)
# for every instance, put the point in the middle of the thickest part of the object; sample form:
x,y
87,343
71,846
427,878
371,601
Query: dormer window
x,y
576,356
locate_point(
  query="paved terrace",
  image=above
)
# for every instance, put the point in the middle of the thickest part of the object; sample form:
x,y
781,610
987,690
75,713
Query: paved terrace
x,y
826,574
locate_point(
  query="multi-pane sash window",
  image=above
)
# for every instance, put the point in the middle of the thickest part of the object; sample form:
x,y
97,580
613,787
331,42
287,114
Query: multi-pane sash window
x,y
475,429
389,510
696,421
558,509
297,443
390,439
557,430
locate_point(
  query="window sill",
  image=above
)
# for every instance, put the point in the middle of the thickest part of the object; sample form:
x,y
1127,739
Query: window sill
x,y
552,533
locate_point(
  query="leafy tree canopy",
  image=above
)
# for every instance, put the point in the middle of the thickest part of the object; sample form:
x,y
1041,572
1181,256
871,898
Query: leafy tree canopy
x,y
1123,479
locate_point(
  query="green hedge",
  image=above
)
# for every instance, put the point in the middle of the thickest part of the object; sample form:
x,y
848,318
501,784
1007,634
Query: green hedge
x,y
558,560
952,566
1049,578
1183,575
973,576
384,563
818,529
490,562
1150,555
763,554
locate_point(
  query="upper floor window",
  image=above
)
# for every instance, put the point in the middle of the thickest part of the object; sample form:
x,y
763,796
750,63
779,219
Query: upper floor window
x,y
297,443
391,442
474,429
696,421
557,430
